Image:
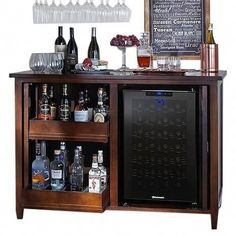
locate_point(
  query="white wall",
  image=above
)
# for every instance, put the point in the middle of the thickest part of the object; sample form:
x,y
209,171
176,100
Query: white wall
x,y
19,37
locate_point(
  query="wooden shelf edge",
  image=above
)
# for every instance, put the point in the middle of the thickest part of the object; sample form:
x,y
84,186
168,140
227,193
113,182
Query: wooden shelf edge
x,y
171,210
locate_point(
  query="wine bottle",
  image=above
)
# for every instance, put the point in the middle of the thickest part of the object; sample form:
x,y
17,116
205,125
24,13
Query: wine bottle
x,y
60,43
210,37
72,52
93,50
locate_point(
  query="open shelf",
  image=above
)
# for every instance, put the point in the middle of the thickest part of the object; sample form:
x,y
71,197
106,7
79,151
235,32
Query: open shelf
x,y
68,131
66,200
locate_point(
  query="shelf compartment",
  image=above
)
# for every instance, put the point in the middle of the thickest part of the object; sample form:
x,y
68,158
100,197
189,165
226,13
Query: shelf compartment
x,y
68,131
66,200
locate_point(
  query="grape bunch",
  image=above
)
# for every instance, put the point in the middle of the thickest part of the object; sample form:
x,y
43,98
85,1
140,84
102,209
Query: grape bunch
x,y
123,40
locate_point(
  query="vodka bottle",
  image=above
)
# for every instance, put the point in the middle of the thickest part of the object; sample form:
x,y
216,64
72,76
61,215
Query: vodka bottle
x,y
103,170
38,171
46,164
76,178
64,159
94,177
57,172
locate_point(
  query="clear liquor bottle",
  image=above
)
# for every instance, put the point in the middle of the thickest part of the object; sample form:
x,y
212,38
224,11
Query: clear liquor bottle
x,y
94,177
53,104
76,178
65,105
81,155
46,164
100,111
38,171
88,105
57,172
64,159
103,170
44,106
81,112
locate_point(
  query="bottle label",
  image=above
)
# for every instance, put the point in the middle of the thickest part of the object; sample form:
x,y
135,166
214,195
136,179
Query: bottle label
x,y
53,112
90,113
81,116
103,180
64,112
44,111
94,184
99,118
61,48
38,179
71,59
56,174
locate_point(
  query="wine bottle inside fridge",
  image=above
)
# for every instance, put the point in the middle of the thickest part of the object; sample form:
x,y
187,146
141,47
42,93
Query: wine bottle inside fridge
x,y
72,53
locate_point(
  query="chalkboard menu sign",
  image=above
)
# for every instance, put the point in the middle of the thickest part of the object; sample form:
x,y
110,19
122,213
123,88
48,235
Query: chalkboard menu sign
x,y
176,26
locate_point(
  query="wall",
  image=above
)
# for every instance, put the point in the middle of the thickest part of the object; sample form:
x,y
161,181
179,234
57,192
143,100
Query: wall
x,y
19,38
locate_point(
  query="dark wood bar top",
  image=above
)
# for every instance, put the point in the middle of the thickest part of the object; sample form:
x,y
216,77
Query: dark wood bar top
x,y
125,77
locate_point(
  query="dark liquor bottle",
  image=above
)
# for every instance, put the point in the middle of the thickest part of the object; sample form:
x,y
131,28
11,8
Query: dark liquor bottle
x,y
53,104
100,111
72,52
44,107
210,37
88,105
64,108
60,43
93,50
81,112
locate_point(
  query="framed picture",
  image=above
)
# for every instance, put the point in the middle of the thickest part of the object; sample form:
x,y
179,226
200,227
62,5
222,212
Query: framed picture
x,y
176,27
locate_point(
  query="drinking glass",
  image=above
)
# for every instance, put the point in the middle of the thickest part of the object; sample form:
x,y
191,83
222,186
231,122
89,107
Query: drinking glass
x,y
45,12
174,64
37,62
125,12
163,63
69,8
61,13
116,12
101,11
55,62
108,12
36,12
84,12
92,12
77,12
52,12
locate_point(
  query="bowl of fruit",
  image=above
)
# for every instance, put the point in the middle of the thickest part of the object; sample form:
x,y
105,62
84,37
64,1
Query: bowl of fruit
x,y
122,42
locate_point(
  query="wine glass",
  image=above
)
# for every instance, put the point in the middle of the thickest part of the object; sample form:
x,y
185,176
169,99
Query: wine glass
x,y
77,12
52,12
61,13
125,12
108,12
37,62
101,12
84,11
36,12
55,62
45,12
92,12
116,12
69,8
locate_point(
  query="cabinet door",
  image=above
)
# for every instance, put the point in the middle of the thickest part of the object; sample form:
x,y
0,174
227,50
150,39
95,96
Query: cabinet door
x,y
159,146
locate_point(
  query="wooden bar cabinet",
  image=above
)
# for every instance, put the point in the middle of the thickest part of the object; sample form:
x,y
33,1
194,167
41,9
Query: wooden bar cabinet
x,y
28,129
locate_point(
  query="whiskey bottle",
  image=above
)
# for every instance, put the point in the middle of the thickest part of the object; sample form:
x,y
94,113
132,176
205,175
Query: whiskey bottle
x,y
88,105
94,177
81,112
53,104
44,107
76,178
65,107
103,170
57,172
100,111
38,171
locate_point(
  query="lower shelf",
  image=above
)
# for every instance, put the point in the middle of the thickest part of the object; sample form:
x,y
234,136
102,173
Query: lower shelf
x,y
73,201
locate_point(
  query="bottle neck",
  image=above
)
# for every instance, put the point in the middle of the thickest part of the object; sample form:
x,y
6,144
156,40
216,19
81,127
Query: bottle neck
x,y
43,149
94,32
51,92
60,31
64,91
44,90
71,33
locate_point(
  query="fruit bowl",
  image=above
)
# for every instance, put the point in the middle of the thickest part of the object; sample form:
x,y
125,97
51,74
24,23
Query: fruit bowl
x,y
122,42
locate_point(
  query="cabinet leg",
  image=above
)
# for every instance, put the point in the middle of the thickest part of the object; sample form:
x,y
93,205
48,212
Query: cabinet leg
x,y
214,219
19,213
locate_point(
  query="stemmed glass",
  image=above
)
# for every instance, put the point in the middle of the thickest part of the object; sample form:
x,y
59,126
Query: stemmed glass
x,y
125,12
45,12
108,12
52,12
77,12
61,13
84,11
101,12
116,11
92,12
36,12
69,8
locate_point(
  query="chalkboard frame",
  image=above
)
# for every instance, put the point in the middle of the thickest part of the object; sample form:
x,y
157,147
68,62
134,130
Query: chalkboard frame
x,y
147,25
